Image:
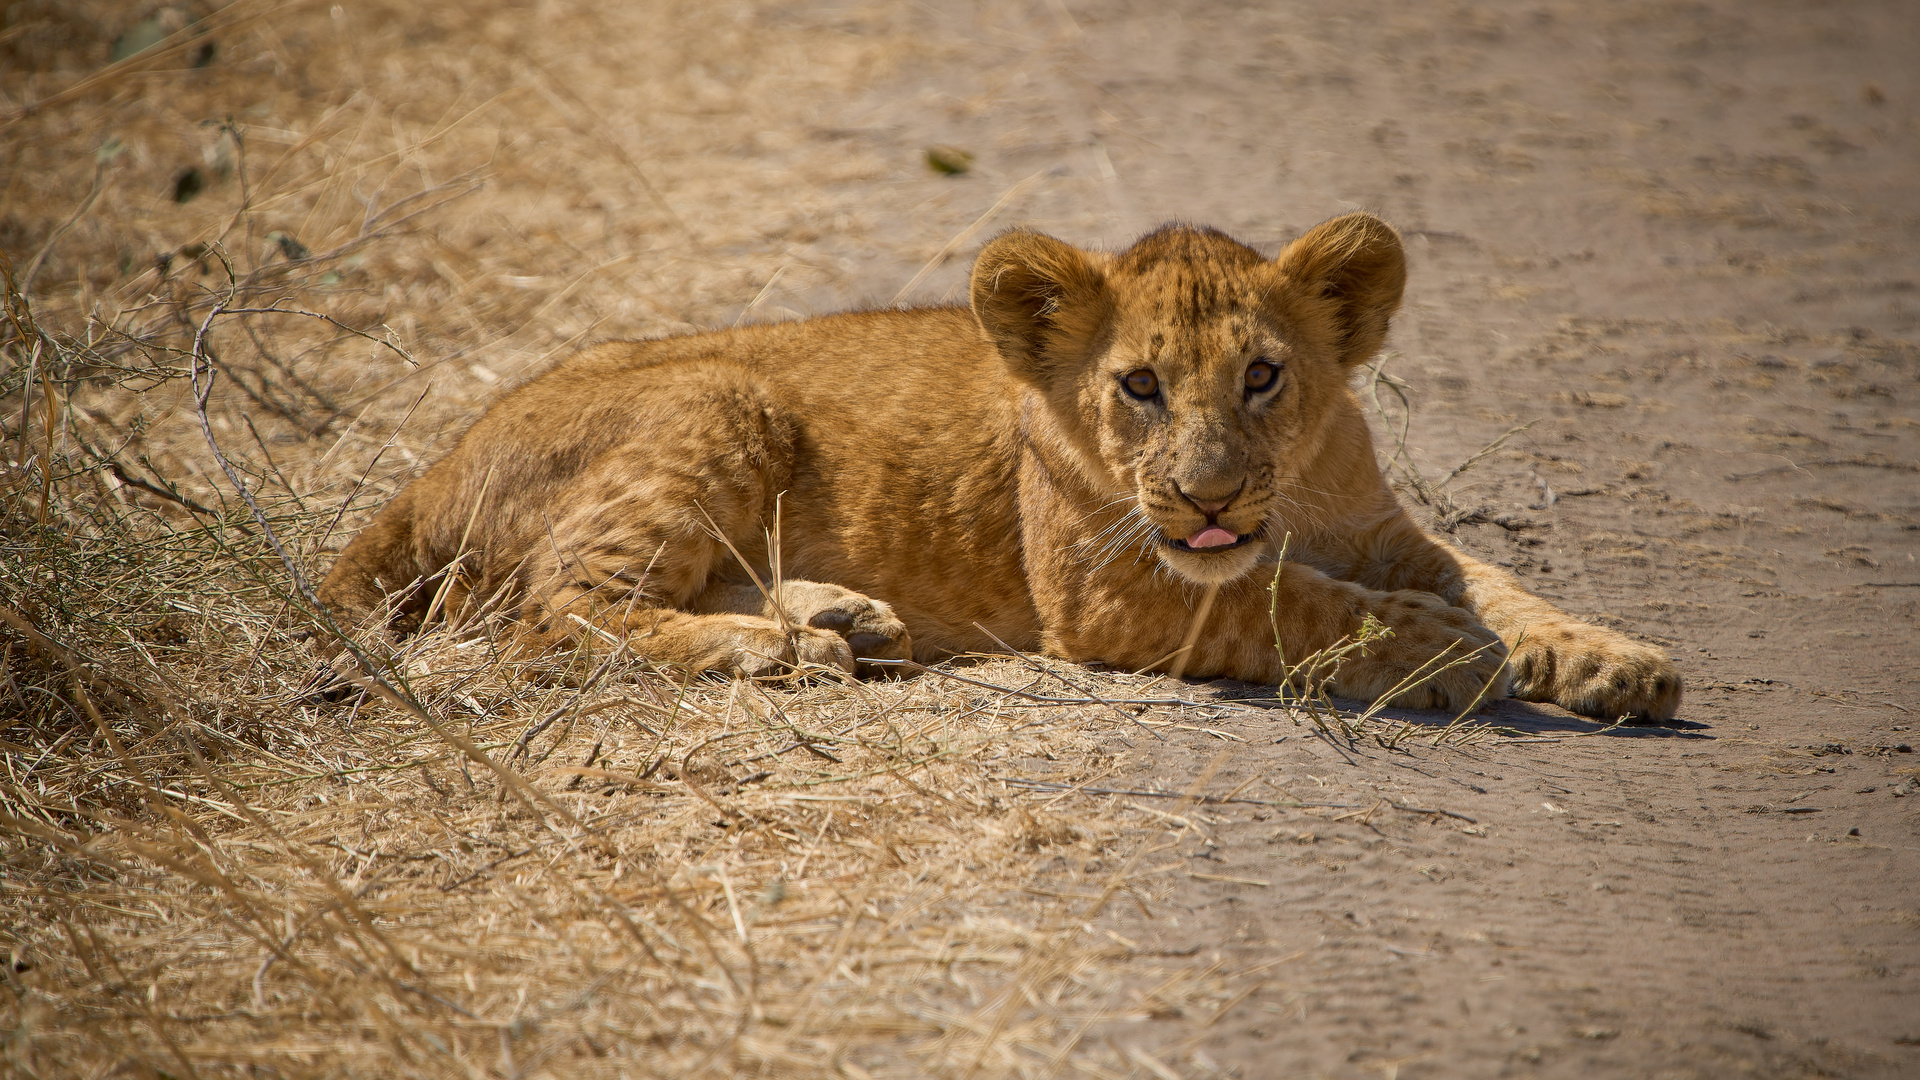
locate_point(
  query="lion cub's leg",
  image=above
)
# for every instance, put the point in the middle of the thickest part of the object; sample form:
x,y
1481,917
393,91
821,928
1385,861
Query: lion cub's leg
x,y
870,627
1578,666
628,608
630,550
728,644
1553,656
1436,656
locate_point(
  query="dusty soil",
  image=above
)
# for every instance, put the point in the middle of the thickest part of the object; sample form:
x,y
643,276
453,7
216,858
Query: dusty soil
x,y
1677,244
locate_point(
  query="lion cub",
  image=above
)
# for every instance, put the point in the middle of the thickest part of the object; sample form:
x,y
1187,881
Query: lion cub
x,y
1067,463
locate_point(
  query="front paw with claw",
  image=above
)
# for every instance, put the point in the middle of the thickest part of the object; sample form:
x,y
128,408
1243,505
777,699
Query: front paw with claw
x,y
1595,672
871,629
768,652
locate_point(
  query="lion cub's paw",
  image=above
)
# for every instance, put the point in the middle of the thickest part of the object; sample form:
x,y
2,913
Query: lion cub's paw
x,y
1595,672
1424,627
868,626
764,652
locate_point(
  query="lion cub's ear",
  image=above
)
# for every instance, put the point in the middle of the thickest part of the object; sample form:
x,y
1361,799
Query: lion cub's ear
x,y
1041,301
1355,262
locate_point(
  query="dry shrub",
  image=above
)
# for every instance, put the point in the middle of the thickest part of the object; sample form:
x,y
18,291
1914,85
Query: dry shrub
x,y
255,275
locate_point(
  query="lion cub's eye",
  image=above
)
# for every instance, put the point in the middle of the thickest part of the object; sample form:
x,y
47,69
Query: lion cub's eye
x,y
1142,384
1261,375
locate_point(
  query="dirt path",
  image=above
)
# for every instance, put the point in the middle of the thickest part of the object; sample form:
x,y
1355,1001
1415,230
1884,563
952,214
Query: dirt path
x,y
1682,243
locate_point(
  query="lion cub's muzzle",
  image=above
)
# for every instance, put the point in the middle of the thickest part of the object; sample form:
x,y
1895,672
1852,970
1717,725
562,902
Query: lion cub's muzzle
x,y
1212,554
1214,534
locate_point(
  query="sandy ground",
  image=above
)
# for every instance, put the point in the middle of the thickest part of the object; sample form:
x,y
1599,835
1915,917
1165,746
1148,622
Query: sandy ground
x,y
1679,242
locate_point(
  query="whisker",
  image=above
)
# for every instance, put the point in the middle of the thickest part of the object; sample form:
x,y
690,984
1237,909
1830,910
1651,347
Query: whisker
x,y
1298,513
1106,537
1108,505
1296,483
1136,531
1134,524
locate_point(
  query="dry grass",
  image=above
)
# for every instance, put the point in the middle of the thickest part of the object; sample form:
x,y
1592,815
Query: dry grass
x,y
245,299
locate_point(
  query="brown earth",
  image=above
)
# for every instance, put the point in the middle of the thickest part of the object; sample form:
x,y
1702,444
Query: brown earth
x,y
1676,245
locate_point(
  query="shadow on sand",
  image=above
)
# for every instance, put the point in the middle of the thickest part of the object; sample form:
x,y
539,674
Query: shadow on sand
x,y
1523,718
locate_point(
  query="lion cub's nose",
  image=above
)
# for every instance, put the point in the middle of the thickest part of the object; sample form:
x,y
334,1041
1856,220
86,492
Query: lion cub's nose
x,y
1207,506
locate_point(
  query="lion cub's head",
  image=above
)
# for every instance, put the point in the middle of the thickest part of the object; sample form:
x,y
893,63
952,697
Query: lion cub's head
x,y
1192,376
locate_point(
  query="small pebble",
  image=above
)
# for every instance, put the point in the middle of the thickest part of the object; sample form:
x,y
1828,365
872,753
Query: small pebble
x,y
949,160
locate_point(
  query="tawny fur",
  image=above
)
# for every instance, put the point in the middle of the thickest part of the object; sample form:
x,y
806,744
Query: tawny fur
x,y
940,468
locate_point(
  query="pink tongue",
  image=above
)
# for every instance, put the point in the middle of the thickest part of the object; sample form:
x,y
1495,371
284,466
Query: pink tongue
x,y
1210,537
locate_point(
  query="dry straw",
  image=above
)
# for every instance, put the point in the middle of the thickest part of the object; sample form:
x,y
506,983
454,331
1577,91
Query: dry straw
x,y
471,866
